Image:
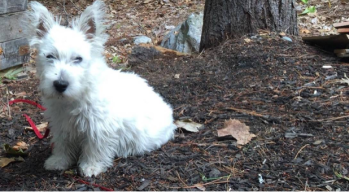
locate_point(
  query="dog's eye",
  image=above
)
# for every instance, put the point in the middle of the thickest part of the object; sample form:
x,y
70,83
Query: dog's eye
x,y
50,57
77,60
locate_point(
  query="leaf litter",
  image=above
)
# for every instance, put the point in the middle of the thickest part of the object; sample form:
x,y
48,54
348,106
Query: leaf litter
x,y
188,125
4,161
277,96
240,131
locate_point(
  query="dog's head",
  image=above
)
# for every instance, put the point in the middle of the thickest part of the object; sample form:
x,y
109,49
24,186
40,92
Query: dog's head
x,y
67,56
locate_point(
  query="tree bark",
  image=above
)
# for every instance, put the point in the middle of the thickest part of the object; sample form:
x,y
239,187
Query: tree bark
x,y
234,18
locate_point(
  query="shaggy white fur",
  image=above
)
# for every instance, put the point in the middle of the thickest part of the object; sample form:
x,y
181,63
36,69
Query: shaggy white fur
x,y
95,113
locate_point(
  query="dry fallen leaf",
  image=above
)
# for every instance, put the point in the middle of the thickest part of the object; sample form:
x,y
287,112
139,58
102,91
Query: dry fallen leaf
x,y
0,50
41,127
20,94
5,161
306,31
240,131
188,125
247,40
200,186
21,145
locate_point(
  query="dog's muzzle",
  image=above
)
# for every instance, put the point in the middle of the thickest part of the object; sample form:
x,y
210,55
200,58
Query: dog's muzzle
x,y
60,85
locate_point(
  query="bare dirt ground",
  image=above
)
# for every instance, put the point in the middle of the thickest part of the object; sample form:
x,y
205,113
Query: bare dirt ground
x,y
297,109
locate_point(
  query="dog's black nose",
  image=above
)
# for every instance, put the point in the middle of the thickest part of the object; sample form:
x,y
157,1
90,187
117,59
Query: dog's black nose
x,y
60,85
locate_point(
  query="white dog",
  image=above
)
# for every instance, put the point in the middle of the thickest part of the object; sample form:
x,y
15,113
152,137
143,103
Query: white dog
x,y
95,113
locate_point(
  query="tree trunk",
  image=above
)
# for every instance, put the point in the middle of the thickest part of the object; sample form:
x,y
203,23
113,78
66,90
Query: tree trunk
x,y
234,18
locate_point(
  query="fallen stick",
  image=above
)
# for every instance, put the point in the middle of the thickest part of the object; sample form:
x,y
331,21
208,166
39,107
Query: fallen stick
x,y
300,151
253,113
332,118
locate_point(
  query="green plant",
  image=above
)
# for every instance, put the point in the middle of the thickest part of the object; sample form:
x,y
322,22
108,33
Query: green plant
x,y
116,59
11,74
308,9
340,176
205,179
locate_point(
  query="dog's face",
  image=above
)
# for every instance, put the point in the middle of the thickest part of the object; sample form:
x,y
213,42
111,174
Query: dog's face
x,y
67,55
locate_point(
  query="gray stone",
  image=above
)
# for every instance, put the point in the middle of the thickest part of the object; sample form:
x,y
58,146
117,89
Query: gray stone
x,y
214,173
287,38
141,55
141,39
22,75
14,53
10,6
11,27
185,37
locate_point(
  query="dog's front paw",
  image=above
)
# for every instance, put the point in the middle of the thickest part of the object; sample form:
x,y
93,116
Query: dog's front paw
x,y
56,162
89,169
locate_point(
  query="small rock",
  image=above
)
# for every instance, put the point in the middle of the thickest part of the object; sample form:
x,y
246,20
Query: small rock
x,y
260,179
214,173
22,75
144,185
291,135
327,66
286,38
329,188
308,163
185,37
124,41
318,142
141,39
298,160
170,27
141,54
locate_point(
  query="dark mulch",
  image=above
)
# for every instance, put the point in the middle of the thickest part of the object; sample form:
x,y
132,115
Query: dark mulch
x,y
276,87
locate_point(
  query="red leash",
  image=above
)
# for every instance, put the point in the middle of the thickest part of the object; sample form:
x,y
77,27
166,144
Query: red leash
x,y
32,124
40,136
93,184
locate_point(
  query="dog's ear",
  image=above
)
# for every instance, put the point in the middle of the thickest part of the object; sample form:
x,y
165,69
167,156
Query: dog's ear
x,y
91,21
40,21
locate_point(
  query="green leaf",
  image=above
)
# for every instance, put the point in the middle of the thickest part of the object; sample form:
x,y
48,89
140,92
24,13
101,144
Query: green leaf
x,y
305,1
205,179
340,176
10,151
11,74
312,9
116,59
305,11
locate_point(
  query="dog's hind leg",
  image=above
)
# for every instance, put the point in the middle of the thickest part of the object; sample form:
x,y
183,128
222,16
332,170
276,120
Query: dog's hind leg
x,y
63,154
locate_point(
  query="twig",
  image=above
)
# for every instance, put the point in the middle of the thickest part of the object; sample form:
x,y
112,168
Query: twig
x,y
8,104
253,113
332,118
179,177
300,151
204,184
88,183
77,8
